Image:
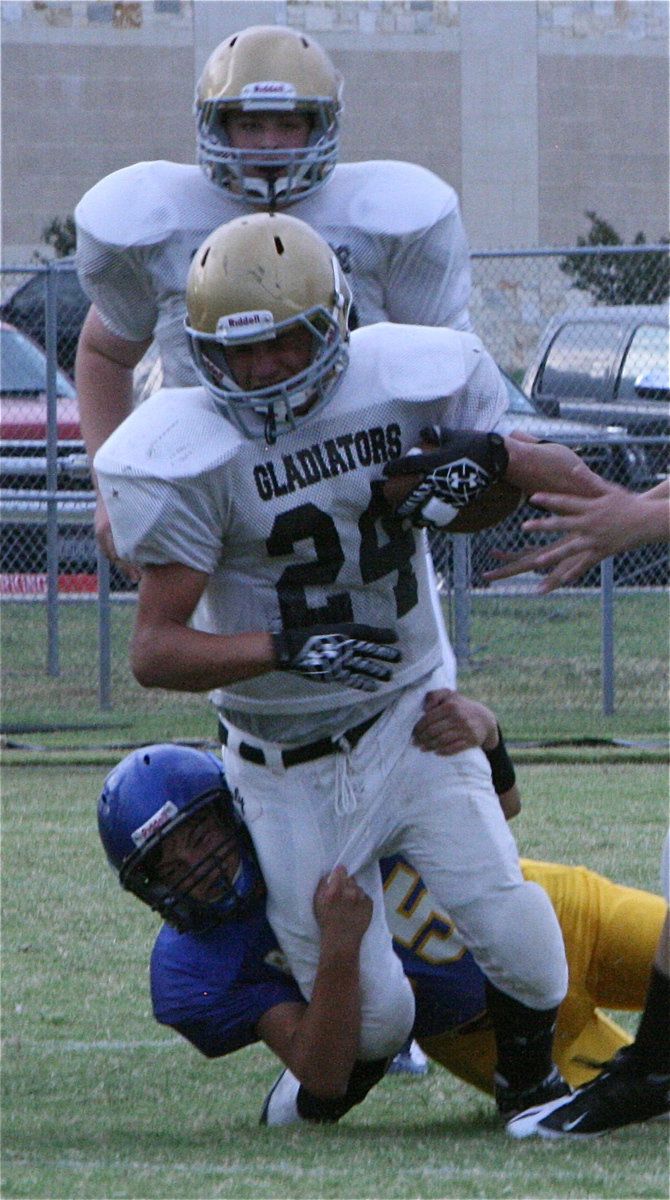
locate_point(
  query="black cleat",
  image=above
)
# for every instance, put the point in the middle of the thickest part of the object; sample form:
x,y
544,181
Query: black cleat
x,y
622,1094
512,1101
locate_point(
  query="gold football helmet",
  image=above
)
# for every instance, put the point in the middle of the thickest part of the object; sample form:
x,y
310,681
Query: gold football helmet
x,y
252,280
277,69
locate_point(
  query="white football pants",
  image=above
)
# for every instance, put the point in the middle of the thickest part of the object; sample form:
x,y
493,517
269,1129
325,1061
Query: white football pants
x,y
443,814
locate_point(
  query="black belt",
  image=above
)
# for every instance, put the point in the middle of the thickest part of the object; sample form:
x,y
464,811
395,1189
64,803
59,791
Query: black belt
x,y
302,754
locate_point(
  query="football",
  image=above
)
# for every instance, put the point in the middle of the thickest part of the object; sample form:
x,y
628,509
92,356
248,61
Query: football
x,y
497,502
492,506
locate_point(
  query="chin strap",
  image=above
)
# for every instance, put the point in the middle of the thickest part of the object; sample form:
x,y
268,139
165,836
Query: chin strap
x,y
270,429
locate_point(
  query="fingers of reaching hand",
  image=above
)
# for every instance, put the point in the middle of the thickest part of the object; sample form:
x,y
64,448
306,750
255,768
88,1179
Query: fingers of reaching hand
x,y
515,562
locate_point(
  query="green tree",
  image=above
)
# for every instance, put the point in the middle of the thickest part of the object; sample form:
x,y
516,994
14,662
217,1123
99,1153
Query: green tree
x,y
640,278
61,234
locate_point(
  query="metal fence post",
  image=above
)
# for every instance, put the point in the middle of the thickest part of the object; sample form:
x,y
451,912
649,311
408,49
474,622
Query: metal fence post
x,y
50,325
607,634
104,634
461,600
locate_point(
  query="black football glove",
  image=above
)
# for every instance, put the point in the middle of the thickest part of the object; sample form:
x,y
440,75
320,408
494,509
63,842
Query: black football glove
x,y
463,465
352,654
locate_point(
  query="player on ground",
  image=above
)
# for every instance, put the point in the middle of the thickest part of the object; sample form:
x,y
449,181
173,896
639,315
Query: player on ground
x,y
222,982
275,573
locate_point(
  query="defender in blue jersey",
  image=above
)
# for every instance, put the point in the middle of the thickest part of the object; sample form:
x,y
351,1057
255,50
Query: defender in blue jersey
x,y
218,976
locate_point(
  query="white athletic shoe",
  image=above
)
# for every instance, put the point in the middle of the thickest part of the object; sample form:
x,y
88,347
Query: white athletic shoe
x,y
280,1106
410,1060
525,1124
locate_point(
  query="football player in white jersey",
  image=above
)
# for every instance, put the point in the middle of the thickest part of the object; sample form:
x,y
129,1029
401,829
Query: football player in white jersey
x,y
268,105
276,573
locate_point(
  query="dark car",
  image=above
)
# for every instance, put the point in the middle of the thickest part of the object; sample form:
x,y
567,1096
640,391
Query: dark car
x,y
608,450
26,309
608,364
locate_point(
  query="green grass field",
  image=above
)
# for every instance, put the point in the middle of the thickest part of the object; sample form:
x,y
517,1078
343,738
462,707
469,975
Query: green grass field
x,y
535,659
101,1102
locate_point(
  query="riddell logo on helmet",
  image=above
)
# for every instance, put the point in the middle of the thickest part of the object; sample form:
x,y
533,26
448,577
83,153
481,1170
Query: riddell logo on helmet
x,y
268,88
267,93
243,323
156,822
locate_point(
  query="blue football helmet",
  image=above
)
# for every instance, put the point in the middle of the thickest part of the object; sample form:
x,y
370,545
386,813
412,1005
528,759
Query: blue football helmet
x,y
149,794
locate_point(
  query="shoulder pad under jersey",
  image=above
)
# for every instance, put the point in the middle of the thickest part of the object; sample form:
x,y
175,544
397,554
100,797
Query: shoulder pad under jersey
x,y
176,434
412,361
144,204
385,197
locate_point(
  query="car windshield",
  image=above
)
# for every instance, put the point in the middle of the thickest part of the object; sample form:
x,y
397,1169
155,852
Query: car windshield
x,y
579,360
31,296
23,367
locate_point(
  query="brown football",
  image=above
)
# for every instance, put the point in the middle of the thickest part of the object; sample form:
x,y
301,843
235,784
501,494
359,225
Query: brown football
x,y
492,506
497,502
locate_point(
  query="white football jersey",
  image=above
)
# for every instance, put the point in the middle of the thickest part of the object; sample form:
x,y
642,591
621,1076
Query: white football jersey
x,y
395,227
297,533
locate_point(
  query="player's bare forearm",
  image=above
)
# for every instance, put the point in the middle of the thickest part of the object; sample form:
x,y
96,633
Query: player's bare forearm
x,y
547,466
320,1044
167,653
104,380
328,1037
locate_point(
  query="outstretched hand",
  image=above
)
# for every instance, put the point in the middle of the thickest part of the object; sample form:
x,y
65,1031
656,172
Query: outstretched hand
x,y
592,528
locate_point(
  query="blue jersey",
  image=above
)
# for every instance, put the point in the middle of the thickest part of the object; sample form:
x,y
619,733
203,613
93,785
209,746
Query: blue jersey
x,y
213,987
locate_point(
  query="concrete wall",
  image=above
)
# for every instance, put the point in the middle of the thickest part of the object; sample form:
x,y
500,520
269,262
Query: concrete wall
x,y
534,111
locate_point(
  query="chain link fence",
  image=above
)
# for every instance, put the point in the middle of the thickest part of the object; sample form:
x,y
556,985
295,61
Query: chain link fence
x,y
583,366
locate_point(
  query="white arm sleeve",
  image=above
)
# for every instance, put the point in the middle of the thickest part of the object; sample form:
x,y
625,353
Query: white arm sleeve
x,y
116,280
155,522
429,277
